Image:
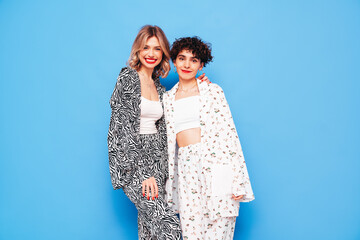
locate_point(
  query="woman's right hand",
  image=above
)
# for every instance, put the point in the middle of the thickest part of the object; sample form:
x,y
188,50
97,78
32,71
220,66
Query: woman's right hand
x,y
204,78
150,185
237,198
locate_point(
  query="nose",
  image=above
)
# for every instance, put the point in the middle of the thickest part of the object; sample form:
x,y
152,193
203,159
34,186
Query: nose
x,y
187,64
151,52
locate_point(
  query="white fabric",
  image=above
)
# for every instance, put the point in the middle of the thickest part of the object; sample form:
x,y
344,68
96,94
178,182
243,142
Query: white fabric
x,y
220,149
186,117
194,215
151,111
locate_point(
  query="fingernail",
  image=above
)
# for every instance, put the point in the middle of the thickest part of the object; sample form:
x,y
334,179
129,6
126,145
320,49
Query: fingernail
x,y
143,194
148,197
153,198
157,196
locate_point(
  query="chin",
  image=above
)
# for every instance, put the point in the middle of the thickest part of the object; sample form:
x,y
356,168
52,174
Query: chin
x,y
147,65
186,76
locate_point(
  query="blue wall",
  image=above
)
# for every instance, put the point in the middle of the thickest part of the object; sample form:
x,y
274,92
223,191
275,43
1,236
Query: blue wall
x,y
290,71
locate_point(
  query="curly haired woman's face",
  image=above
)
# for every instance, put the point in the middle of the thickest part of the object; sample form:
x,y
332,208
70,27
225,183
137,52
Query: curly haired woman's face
x,y
187,65
151,54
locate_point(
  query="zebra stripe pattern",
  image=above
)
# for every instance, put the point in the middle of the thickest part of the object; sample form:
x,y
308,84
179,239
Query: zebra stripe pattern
x,y
134,157
155,217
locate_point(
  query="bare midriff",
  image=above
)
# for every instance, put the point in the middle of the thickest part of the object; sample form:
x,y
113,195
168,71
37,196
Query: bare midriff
x,y
188,137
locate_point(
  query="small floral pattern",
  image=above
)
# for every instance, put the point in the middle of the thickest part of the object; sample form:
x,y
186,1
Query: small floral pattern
x,y
194,218
223,166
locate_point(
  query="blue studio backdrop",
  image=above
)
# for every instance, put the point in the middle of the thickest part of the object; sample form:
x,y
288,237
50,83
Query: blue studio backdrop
x,y
290,72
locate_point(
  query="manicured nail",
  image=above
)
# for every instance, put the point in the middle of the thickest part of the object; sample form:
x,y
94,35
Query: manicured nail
x,y
148,197
157,196
143,194
153,198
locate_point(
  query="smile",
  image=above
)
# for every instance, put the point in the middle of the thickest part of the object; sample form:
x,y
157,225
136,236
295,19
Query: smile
x,y
150,60
185,71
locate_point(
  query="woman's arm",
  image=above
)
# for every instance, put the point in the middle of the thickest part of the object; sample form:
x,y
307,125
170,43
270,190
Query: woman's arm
x,y
241,187
120,162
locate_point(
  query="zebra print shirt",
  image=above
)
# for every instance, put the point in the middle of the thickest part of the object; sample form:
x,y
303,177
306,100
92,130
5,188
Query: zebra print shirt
x,y
123,136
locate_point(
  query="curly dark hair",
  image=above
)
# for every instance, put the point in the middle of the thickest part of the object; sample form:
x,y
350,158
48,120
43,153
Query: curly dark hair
x,y
197,47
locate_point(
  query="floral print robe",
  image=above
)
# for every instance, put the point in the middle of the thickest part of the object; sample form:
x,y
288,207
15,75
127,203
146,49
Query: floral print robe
x,y
223,163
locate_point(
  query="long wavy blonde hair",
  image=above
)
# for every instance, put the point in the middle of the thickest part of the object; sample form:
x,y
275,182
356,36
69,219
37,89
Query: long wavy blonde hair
x,y
146,32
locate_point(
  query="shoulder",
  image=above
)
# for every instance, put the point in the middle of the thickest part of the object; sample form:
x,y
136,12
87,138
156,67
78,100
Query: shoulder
x,y
166,95
215,89
159,85
163,88
214,86
127,74
127,71
171,91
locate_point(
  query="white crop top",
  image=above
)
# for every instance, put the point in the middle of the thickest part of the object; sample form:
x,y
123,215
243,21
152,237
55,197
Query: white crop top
x,y
151,111
186,113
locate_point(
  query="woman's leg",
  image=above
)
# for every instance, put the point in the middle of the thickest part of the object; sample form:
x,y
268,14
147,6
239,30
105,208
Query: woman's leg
x,y
155,217
143,232
192,200
194,217
220,229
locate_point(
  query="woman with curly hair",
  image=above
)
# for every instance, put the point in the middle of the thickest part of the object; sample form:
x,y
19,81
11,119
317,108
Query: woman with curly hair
x,y
207,172
137,135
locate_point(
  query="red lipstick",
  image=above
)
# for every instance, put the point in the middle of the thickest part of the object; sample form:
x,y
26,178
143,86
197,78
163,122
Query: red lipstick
x,y
150,60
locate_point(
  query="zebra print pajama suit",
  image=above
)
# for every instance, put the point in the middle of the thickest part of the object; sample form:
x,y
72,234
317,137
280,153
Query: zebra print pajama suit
x,y
134,157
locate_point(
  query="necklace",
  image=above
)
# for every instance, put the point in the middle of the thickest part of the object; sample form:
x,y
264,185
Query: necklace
x,y
187,90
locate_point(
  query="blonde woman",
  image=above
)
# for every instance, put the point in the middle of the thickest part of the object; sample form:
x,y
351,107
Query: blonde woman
x,y
207,172
137,135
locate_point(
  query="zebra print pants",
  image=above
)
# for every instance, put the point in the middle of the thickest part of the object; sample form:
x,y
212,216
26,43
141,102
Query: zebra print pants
x,y
156,220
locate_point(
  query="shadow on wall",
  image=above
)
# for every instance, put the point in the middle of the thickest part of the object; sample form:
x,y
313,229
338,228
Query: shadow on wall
x,y
170,80
245,221
125,213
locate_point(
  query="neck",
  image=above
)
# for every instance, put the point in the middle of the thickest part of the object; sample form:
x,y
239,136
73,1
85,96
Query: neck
x,y
187,83
146,72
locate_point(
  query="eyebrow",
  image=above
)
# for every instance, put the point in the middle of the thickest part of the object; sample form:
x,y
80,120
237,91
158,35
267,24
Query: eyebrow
x,y
154,46
180,55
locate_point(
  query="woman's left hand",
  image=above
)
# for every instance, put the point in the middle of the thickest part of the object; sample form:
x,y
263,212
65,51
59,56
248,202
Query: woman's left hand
x,y
204,78
237,198
150,186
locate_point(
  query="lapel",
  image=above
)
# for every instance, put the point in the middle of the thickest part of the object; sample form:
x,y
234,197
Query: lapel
x,y
205,105
170,106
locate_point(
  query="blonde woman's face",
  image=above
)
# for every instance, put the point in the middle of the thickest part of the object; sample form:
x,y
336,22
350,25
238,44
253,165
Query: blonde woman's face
x,y
151,54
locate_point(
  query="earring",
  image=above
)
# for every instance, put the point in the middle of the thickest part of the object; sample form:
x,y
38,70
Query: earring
x,y
174,69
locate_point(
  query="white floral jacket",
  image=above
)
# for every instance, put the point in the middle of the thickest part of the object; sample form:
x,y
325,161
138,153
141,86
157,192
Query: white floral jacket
x,y
223,162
